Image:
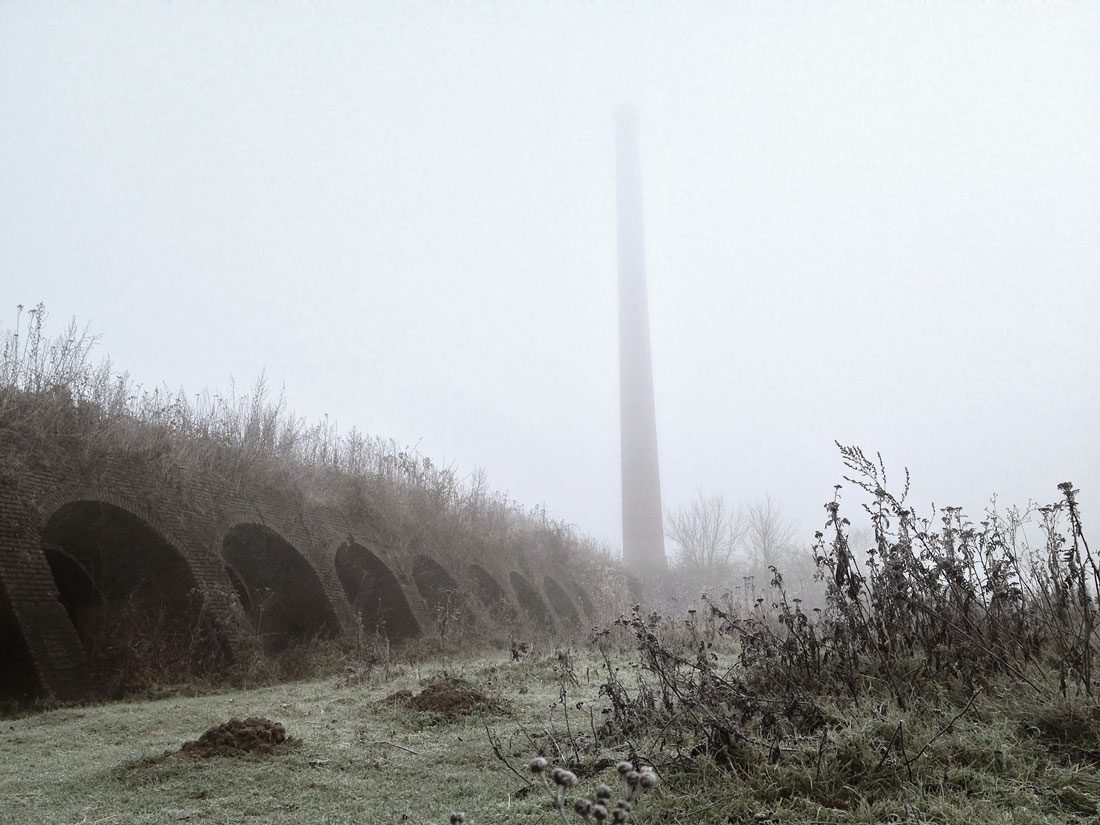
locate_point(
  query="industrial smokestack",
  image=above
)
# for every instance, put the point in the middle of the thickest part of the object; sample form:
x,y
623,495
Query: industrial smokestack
x,y
643,516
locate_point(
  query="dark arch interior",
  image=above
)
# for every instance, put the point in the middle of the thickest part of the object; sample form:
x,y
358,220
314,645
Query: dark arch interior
x,y
80,594
375,594
585,601
281,591
131,596
436,585
18,683
560,600
530,600
490,593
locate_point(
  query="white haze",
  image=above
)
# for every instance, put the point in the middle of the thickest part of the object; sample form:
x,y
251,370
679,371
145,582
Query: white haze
x,y
878,223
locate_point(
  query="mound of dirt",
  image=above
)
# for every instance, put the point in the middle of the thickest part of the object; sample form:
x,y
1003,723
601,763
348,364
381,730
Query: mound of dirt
x,y
401,697
236,737
449,697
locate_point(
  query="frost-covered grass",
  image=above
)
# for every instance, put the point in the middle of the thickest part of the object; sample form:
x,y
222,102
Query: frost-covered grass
x,y
358,760
1007,759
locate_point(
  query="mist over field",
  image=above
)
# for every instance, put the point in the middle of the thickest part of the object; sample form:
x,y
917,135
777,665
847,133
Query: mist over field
x,y
549,413
875,224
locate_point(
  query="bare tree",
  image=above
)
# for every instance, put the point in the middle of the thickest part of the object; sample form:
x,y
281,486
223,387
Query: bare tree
x,y
706,533
768,536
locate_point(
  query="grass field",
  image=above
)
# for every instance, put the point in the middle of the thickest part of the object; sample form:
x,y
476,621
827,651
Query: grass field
x,y
361,759
358,759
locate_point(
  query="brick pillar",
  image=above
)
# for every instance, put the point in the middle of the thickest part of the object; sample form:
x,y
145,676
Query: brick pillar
x,y
27,582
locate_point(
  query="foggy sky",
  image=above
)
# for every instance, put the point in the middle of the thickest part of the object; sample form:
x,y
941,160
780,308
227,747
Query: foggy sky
x,y
879,224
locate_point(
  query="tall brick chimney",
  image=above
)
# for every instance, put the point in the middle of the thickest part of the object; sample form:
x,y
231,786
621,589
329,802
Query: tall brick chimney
x,y
643,516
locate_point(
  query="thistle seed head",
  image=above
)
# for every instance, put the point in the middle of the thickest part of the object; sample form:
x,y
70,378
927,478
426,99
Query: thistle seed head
x,y
624,768
599,812
582,806
603,792
648,779
457,818
538,765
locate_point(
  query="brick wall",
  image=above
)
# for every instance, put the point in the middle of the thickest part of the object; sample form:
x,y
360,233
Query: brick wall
x,y
194,515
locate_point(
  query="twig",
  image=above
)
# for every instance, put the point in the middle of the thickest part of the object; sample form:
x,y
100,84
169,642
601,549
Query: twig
x,y
534,747
500,756
821,752
392,745
945,728
557,747
886,750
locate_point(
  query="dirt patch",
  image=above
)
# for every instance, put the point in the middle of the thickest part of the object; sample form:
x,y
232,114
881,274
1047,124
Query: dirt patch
x,y
451,697
448,697
401,697
240,736
236,737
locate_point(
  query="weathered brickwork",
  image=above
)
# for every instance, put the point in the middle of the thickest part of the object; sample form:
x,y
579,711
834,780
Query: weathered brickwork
x,y
194,517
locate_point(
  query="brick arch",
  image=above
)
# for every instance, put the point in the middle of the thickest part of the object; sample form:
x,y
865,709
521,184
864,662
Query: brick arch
x,y
560,600
313,535
62,495
282,591
206,565
436,585
130,594
375,594
491,594
530,600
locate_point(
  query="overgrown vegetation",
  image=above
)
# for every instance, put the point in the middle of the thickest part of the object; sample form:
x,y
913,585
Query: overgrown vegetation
x,y
855,708
53,392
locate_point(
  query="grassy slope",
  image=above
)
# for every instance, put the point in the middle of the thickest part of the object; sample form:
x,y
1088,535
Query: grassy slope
x,y
84,765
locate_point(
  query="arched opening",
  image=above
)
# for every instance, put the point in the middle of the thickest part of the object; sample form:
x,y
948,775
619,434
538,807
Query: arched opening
x,y
491,594
375,594
283,596
19,683
131,596
437,586
560,600
530,600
